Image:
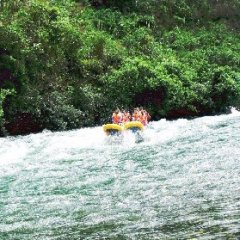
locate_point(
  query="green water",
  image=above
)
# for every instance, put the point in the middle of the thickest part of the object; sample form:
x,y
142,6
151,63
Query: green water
x,y
182,182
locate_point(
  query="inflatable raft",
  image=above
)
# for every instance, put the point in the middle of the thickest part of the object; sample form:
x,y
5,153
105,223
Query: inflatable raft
x,y
137,128
112,129
115,129
134,126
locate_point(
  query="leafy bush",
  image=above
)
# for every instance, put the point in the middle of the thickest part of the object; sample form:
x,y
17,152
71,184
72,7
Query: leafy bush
x,y
71,64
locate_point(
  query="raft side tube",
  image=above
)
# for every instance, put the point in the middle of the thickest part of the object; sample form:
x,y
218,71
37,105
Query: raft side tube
x,y
134,125
112,129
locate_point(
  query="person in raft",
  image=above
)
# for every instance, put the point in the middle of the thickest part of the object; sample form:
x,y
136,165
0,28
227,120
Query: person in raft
x,y
144,116
136,114
140,115
126,116
117,116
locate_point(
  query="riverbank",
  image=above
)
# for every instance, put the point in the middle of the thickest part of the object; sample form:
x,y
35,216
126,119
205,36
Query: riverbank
x,y
25,124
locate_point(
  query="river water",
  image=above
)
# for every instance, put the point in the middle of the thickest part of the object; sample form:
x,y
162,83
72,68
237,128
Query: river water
x,y
182,182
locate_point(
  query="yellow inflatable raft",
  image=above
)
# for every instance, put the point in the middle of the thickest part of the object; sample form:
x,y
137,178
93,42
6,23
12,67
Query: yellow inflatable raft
x,y
134,125
112,128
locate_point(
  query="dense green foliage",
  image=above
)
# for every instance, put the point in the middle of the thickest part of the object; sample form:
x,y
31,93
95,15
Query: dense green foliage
x,y
70,63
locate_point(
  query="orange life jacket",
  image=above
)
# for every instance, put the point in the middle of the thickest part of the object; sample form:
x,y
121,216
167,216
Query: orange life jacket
x,y
144,120
135,116
126,118
116,118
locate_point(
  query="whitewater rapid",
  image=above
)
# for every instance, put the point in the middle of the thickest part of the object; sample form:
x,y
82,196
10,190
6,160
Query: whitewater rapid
x,y
181,182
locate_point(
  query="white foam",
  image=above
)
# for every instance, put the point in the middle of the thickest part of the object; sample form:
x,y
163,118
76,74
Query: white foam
x,y
56,145
12,151
235,112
